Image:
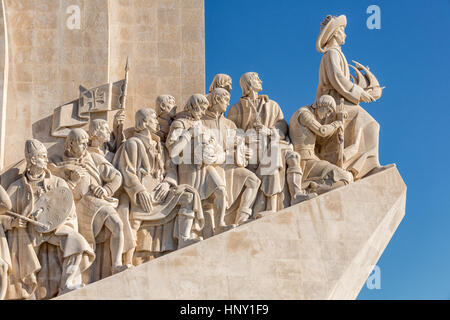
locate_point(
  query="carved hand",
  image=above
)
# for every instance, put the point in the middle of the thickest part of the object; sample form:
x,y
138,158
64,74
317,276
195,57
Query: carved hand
x,y
248,153
77,174
99,192
145,201
209,154
186,135
161,191
366,97
264,130
19,223
196,128
342,115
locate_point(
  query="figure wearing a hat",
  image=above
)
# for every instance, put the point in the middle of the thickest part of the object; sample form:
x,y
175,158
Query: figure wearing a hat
x,y
361,130
50,263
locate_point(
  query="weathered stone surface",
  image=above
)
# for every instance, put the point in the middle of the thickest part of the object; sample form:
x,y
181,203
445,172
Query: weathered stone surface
x,y
323,248
43,61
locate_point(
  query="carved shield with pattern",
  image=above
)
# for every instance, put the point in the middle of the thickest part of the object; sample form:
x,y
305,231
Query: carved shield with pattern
x,y
53,208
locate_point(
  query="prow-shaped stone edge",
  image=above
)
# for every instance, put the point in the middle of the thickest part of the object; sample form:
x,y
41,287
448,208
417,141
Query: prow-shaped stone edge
x,y
323,248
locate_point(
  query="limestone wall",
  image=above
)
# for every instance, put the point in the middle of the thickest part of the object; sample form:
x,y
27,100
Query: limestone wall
x,y
48,60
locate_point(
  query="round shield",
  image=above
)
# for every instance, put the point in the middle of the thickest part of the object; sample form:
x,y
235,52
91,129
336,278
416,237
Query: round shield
x,y
53,208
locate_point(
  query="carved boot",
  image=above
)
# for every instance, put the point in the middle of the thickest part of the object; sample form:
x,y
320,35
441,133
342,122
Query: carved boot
x,y
222,228
184,242
185,222
121,268
294,180
243,216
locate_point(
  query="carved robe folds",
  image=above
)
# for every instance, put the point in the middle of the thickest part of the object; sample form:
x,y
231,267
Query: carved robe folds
x,y
92,212
206,179
361,130
304,129
38,260
235,176
144,163
271,170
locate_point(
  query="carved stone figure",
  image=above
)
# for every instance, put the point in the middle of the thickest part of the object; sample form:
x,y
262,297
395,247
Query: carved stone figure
x,y
361,130
99,136
241,183
117,136
196,153
305,127
163,213
220,80
93,181
166,110
264,124
43,264
5,258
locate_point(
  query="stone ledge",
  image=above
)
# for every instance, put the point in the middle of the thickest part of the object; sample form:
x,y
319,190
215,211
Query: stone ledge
x,y
324,248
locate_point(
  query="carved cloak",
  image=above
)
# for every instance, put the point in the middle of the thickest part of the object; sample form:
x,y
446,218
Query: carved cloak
x,y
235,176
142,161
361,130
27,273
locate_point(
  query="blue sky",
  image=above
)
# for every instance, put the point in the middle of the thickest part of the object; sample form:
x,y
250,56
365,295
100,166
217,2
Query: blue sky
x,y
410,55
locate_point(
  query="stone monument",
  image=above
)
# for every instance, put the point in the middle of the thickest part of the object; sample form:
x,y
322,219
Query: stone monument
x,y
122,194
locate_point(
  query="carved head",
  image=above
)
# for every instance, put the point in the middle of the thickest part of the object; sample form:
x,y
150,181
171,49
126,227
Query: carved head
x,y
292,159
76,143
324,107
339,35
165,104
196,106
35,154
221,81
221,99
250,81
99,129
332,27
146,119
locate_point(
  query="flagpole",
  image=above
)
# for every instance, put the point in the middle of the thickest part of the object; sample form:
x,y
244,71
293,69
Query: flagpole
x,y
120,138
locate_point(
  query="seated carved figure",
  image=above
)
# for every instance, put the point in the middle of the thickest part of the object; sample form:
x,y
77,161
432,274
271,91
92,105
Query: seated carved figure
x,y
197,168
163,213
93,181
43,263
241,183
305,127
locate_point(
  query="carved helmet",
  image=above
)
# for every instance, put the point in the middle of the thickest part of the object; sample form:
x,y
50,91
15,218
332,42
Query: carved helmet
x,y
33,147
328,27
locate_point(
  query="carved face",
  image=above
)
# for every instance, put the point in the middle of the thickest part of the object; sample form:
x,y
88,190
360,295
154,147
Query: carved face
x,y
198,111
222,103
169,107
40,160
340,35
152,122
256,84
103,133
227,86
323,112
78,148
